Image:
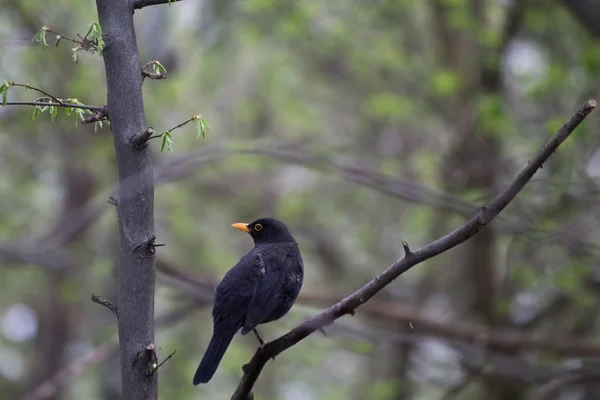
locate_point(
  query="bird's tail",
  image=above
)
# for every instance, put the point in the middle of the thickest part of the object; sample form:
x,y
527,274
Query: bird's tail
x,y
219,343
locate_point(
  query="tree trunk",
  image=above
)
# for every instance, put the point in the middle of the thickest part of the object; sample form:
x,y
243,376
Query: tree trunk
x,y
135,202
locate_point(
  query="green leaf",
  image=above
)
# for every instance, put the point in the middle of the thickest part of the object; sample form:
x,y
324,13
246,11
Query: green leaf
x,y
75,55
68,110
58,39
89,31
53,112
4,91
158,68
78,114
95,31
167,141
37,111
203,127
40,37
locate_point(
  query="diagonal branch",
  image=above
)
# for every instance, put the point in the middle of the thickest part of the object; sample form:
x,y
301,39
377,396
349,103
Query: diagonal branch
x,y
346,306
201,289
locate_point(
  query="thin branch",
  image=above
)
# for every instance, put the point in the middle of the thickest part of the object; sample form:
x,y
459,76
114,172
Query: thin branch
x,y
103,302
194,118
48,95
254,368
139,4
79,42
96,117
42,104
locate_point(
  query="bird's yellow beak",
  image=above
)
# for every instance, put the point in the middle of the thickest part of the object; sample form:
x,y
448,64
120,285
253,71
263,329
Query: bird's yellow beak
x,y
241,226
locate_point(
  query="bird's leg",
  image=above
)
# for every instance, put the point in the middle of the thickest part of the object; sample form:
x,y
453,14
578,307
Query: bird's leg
x,y
260,340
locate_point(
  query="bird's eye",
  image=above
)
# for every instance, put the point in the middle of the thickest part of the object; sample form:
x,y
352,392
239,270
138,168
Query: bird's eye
x,y
258,227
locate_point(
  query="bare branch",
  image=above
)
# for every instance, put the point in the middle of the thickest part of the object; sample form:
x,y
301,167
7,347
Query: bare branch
x,y
95,117
28,86
139,4
253,369
506,340
103,302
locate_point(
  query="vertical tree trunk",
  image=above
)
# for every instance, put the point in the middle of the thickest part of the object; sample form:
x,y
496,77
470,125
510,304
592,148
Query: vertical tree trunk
x,y
135,202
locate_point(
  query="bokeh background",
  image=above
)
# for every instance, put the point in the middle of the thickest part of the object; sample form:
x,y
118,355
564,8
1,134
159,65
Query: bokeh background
x,y
360,124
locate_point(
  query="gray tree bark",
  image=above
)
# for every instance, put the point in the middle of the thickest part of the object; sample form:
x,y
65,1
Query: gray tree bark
x,y
135,200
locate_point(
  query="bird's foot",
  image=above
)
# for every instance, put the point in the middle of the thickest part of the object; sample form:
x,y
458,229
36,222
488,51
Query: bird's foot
x,y
262,350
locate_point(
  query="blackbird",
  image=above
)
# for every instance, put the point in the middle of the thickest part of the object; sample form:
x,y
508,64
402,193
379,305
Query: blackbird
x,y
260,288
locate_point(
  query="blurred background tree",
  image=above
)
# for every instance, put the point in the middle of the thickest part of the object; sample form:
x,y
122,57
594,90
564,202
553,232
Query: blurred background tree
x,y
359,124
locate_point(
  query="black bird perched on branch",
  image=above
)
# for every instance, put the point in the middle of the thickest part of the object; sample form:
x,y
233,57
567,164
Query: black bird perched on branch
x,y
260,288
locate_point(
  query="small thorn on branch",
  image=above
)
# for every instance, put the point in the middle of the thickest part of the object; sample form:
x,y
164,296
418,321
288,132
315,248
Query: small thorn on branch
x,y
113,200
150,353
352,313
407,252
164,361
139,140
322,330
103,302
149,244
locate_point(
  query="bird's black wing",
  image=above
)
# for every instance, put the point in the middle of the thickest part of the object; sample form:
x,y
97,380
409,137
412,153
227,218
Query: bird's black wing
x,y
234,292
274,295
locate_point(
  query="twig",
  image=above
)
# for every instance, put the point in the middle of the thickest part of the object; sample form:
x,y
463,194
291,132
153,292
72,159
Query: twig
x,y
63,104
103,302
153,75
254,368
194,118
139,4
27,86
164,361
79,42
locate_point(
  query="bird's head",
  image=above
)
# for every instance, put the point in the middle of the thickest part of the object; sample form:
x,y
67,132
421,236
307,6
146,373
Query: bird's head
x,y
266,230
